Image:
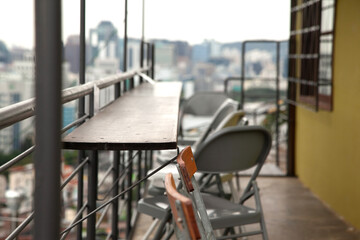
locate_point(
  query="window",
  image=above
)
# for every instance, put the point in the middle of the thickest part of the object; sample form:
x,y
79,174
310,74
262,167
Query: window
x,y
311,53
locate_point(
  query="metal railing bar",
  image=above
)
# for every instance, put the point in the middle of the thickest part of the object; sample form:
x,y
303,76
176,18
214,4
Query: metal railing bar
x,y
25,109
16,112
76,170
120,179
106,82
297,104
108,236
12,219
102,216
119,195
101,182
16,159
21,227
76,122
81,211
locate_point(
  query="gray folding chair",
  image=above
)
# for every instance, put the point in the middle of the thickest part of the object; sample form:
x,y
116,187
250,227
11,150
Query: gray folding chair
x,y
200,104
226,116
231,149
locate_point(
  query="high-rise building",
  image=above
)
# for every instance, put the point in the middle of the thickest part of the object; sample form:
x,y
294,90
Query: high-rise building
x,y
200,52
4,53
104,42
72,53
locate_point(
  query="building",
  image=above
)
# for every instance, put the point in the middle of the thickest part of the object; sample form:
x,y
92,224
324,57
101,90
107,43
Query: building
x,y
14,88
72,53
103,42
325,140
200,52
4,53
21,179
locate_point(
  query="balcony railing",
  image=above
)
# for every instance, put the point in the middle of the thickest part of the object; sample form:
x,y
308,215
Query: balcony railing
x,y
47,106
17,112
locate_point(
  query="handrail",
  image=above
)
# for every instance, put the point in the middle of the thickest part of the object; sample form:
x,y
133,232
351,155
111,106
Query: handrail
x,y
25,109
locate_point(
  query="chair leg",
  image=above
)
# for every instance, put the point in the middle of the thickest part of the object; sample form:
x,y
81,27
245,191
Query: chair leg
x,y
150,229
263,228
160,231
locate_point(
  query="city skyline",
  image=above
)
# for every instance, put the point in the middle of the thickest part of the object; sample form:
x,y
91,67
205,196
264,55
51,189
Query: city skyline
x,y
193,22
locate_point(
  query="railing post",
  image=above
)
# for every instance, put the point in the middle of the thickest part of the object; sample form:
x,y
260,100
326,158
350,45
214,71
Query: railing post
x,y
125,46
129,197
92,195
81,112
116,169
140,175
152,54
277,101
48,119
115,204
242,90
141,57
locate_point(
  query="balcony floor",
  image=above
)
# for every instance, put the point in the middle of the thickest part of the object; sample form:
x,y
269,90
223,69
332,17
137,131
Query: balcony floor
x,y
291,212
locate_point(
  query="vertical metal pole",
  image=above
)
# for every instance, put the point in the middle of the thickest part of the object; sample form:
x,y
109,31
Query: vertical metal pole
x,y
277,101
139,175
92,182
143,21
142,39
125,45
242,91
81,112
141,57
151,158
115,204
128,212
129,198
48,119
148,57
152,46
116,170
92,195
122,164
132,83
117,89
80,193
145,162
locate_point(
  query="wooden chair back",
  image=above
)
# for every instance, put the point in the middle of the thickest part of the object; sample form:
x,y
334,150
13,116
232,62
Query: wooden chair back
x,y
182,210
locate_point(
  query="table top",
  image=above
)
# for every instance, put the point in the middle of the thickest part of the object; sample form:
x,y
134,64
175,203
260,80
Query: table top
x,y
145,118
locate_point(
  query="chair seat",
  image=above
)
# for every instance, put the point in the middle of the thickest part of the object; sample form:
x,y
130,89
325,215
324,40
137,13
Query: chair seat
x,y
223,213
157,207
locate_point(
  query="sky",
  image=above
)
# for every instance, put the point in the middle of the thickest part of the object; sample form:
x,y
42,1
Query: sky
x,y
188,20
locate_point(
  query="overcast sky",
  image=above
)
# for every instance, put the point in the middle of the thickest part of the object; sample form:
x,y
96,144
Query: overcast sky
x,y
189,20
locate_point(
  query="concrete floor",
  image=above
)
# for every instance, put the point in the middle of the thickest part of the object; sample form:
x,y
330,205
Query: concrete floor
x,y
291,212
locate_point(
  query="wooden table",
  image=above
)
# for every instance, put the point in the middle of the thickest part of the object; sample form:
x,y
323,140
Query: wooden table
x,y
145,118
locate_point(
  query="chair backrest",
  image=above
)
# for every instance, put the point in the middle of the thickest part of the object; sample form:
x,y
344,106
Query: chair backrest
x,y
227,107
182,210
231,120
187,168
203,103
234,149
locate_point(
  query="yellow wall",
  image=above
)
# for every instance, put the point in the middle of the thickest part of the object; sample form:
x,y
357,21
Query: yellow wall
x,y
327,157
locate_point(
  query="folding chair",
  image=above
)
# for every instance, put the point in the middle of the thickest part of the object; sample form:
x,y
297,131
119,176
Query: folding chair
x,y
225,117
184,220
231,149
201,104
